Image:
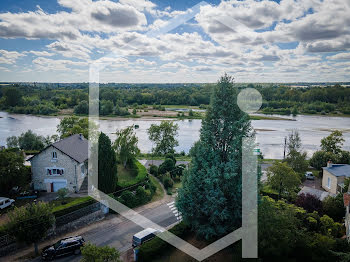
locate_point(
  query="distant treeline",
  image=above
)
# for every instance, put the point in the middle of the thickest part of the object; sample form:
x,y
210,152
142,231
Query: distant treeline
x,y
50,99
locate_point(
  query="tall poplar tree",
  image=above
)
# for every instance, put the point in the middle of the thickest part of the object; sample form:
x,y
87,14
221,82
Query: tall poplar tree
x,y
107,165
211,197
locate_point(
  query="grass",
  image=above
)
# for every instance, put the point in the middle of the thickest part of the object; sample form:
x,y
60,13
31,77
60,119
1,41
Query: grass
x,y
126,174
268,189
159,194
129,178
150,157
70,201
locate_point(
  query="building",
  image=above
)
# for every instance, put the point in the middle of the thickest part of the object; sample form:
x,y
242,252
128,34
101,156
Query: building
x,y
61,165
334,176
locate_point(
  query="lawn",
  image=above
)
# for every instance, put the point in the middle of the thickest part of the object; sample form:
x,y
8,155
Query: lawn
x,y
125,174
159,194
131,176
70,202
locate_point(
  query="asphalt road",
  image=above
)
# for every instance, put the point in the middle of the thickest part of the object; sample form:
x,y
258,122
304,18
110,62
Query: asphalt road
x,y
117,232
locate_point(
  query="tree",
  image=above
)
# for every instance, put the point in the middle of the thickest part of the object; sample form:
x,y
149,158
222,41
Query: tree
x,y
163,136
106,107
334,207
31,141
75,125
82,108
295,158
309,202
333,143
93,253
211,200
282,178
12,170
294,142
126,145
107,165
12,95
167,166
190,113
320,158
12,142
30,223
62,194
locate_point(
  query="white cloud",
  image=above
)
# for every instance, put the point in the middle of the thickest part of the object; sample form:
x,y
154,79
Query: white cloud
x,y
9,57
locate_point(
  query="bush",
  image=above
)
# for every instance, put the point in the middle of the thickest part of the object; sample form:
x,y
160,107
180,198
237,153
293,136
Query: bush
x,y
153,170
141,175
309,202
72,206
166,166
334,207
167,181
155,247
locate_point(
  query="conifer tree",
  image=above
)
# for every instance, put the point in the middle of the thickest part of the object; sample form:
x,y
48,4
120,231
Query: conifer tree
x,y
211,197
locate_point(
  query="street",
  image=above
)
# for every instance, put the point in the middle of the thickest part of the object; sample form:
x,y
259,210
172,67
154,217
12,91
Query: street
x,y
117,232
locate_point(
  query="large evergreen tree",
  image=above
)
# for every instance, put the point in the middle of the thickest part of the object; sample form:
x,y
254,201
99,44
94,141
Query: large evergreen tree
x,y
211,197
107,165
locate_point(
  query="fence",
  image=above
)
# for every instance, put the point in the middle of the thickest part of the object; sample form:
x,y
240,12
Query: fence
x,y
6,240
62,220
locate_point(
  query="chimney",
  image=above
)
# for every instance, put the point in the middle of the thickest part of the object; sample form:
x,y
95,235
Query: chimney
x,y
329,163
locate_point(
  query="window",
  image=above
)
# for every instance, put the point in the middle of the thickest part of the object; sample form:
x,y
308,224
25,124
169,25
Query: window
x,y
55,171
54,155
329,182
82,170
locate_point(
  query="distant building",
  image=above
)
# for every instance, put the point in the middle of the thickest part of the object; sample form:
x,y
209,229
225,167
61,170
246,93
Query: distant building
x,y
61,165
334,176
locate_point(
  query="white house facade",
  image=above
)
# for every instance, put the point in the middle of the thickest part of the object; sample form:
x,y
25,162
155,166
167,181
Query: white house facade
x,y
61,165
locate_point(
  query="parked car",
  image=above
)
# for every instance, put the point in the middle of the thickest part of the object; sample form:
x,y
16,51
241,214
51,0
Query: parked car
x,y
309,176
6,202
144,236
66,246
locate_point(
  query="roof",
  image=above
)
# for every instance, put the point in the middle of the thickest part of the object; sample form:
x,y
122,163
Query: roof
x,y
3,198
339,170
320,194
145,232
74,146
346,197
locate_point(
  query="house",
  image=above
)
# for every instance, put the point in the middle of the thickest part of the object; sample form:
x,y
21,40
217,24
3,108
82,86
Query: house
x,y
334,176
61,165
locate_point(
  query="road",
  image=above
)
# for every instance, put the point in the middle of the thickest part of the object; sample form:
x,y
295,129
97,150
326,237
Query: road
x,y
117,232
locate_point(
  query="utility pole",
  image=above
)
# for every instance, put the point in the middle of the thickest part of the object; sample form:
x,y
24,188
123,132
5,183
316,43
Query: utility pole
x,y
285,147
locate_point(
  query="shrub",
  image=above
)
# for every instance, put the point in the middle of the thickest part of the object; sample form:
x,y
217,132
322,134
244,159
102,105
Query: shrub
x,y
153,170
309,202
166,166
334,207
167,181
72,206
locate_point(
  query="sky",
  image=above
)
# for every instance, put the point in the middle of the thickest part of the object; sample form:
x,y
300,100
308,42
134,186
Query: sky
x,y
143,41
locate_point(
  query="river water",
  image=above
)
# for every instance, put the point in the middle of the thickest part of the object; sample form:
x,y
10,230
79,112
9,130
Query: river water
x,y
270,133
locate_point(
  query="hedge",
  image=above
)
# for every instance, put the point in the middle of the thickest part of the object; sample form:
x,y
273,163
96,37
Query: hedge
x,y
72,206
155,247
141,176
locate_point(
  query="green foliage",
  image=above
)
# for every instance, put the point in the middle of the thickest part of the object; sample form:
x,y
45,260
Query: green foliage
x,y
31,141
334,207
71,206
210,200
126,145
141,172
75,125
93,253
320,158
333,143
106,107
190,113
12,142
107,165
12,95
82,108
153,170
163,136
167,166
282,178
295,158
167,181
62,193
154,248
12,170
30,223
139,197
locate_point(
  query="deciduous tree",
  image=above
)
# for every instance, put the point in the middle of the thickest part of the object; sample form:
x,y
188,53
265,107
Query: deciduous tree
x,y
125,145
93,253
163,136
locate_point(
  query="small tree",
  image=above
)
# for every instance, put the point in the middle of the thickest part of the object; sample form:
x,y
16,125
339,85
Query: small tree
x,y
190,113
12,142
31,141
62,194
296,159
163,136
334,207
282,178
30,223
320,158
167,166
75,125
107,165
126,145
92,253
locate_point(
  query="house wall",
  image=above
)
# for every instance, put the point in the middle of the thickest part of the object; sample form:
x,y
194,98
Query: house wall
x,y
72,169
334,182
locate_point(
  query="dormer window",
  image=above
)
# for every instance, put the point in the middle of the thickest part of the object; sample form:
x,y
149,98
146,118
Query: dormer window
x,y
54,155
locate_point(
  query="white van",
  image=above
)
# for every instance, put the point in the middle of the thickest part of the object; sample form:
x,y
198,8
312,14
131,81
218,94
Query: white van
x,y
6,202
144,236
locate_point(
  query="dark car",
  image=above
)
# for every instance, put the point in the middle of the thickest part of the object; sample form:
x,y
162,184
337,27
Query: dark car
x,y
66,246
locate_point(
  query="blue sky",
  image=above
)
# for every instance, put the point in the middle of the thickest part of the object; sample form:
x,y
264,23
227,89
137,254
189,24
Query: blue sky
x,y
256,41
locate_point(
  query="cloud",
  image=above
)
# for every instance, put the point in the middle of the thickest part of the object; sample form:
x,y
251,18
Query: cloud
x,y
9,57
340,56
41,53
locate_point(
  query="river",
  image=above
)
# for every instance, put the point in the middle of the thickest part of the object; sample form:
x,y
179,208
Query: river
x,y
270,133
